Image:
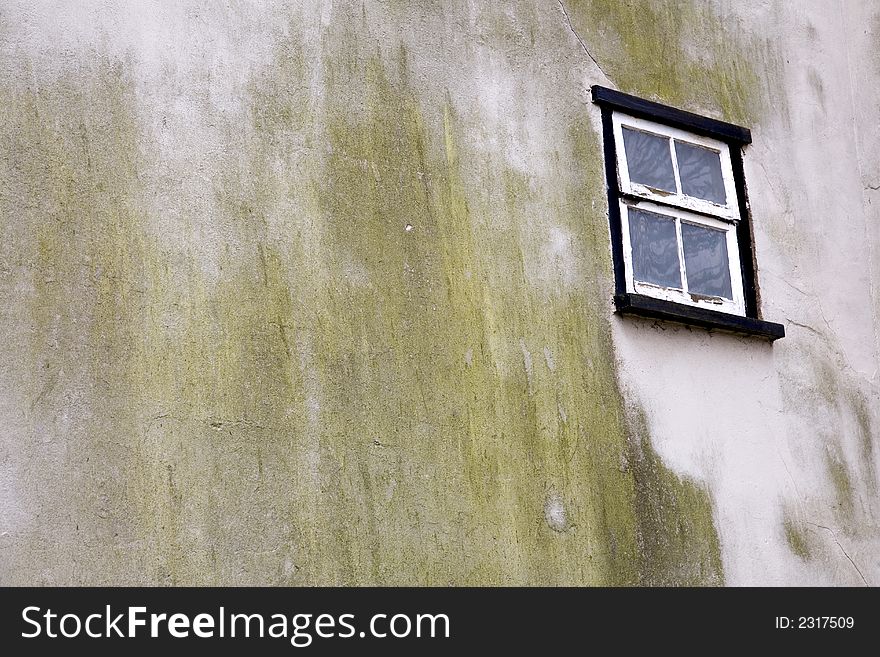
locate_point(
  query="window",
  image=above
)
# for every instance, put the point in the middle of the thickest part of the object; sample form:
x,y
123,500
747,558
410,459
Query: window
x,y
678,215
680,229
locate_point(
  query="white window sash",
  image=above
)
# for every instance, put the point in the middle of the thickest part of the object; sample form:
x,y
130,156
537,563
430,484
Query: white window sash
x,y
729,211
735,306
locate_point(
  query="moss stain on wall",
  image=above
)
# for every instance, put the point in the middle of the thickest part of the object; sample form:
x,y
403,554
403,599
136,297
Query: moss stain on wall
x,y
829,400
797,537
680,52
367,389
71,221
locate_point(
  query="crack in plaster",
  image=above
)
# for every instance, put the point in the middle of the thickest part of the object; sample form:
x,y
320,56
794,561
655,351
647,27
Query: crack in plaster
x,y
581,41
849,558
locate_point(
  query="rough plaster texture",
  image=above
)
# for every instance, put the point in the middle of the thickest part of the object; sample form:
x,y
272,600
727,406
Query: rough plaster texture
x,y
299,293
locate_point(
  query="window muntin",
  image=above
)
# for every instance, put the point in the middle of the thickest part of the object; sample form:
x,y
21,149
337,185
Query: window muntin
x,y
700,267
674,167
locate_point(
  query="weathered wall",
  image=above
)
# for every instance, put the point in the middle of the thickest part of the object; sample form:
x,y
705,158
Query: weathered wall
x,y
302,293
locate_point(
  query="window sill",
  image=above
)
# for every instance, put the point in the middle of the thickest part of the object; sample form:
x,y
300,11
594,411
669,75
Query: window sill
x,y
643,306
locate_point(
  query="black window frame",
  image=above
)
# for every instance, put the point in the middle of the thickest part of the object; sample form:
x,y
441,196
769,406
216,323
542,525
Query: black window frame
x,y
736,137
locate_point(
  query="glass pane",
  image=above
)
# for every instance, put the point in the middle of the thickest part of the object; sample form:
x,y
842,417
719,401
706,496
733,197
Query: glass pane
x,y
654,248
649,160
705,260
700,172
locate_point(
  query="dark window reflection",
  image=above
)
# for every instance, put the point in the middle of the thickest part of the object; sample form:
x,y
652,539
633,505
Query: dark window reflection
x,y
654,248
649,160
700,172
705,261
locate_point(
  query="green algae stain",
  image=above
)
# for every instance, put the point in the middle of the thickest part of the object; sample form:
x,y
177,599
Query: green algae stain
x,y
181,372
436,366
76,194
679,52
866,435
354,380
797,538
842,482
677,539
831,399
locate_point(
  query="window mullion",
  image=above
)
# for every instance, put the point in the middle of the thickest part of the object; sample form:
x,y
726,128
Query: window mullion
x,y
675,172
680,244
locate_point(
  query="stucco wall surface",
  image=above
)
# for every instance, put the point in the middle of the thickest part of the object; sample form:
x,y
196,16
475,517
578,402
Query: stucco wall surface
x,y
320,293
